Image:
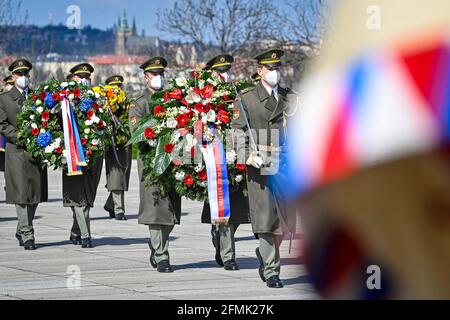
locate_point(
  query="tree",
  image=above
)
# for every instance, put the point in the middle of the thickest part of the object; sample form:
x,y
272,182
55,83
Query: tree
x,y
230,25
10,14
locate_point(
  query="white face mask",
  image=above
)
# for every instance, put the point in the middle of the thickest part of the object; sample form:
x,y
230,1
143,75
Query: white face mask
x,y
273,77
22,82
226,76
85,82
157,82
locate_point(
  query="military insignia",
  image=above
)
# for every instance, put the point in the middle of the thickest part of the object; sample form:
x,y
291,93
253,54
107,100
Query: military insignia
x,y
222,60
117,78
274,55
20,63
236,114
85,68
157,62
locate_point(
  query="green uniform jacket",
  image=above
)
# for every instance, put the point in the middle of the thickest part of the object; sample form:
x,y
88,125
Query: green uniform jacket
x,y
118,174
80,191
153,208
26,182
269,214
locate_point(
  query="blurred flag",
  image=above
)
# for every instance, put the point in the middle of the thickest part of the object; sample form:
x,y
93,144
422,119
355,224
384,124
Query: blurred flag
x,y
370,158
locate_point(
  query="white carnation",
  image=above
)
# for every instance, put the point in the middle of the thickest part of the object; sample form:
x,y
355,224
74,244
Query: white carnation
x,y
38,102
181,82
152,142
39,109
32,117
239,178
49,149
171,123
71,96
97,95
72,83
34,125
43,130
180,175
64,85
95,119
204,184
88,122
211,116
95,142
199,167
87,130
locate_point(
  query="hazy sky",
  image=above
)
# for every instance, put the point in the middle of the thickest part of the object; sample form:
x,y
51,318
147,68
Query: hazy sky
x,y
98,13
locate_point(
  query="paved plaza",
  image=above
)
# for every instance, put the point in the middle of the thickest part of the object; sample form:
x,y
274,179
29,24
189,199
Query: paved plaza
x,y
118,265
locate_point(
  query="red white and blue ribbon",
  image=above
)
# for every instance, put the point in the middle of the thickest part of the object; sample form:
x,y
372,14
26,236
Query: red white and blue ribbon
x,y
218,184
73,147
2,143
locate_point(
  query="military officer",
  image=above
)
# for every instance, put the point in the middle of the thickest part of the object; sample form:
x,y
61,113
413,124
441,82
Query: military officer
x,y
79,191
265,108
26,181
9,83
159,213
118,167
223,235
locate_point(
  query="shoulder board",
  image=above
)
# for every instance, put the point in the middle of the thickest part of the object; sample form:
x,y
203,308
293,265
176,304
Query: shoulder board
x,y
247,90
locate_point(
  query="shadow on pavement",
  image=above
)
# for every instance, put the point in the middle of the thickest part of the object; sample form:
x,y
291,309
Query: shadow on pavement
x,y
99,242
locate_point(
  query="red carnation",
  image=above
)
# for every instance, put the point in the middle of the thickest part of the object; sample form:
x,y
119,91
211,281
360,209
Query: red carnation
x,y
90,114
198,91
83,141
149,133
44,124
58,150
221,107
201,107
185,103
55,96
96,106
182,120
89,152
166,96
35,131
195,74
176,94
223,116
207,91
241,167
34,97
76,92
101,125
226,98
202,175
188,180
45,116
42,95
169,147
158,111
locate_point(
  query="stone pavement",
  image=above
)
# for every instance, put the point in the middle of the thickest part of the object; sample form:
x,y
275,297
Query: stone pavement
x,y
118,267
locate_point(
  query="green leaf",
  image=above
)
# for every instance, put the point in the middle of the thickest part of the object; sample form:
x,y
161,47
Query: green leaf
x,y
162,159
138,134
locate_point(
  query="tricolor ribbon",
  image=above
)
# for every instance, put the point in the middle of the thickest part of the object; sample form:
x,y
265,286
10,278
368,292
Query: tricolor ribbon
x,y
74,149
2,143
218,191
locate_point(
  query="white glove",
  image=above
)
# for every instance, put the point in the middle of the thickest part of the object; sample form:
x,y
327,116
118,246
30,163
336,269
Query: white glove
x,y
255,160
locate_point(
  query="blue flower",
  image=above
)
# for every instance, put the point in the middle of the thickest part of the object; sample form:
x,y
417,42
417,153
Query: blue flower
x,y
34,108
86,104
49,102
44,139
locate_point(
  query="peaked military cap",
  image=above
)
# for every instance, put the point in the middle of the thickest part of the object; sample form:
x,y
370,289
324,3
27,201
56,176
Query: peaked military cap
x,y
221,63
19,65
82,68
256,77
154,65
114,80
270,58
8,80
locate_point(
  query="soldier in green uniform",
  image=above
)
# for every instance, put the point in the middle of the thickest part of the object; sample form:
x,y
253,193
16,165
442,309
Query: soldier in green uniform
x,y
9,83
159,213
118,168
79,191
223,235
26,181
264,108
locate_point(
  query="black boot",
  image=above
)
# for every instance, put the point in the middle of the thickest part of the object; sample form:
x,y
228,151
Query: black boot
x,y
75,239
19,238
29,245
121,216
86,243
230,265
274,282
164,267
110,211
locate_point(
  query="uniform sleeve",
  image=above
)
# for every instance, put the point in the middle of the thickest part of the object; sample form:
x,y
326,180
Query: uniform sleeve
x,y
136,112
240,134
6,129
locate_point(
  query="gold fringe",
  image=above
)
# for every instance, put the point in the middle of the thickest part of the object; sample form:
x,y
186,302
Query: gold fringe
x,y
221,221
75,173
2,150
82,164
